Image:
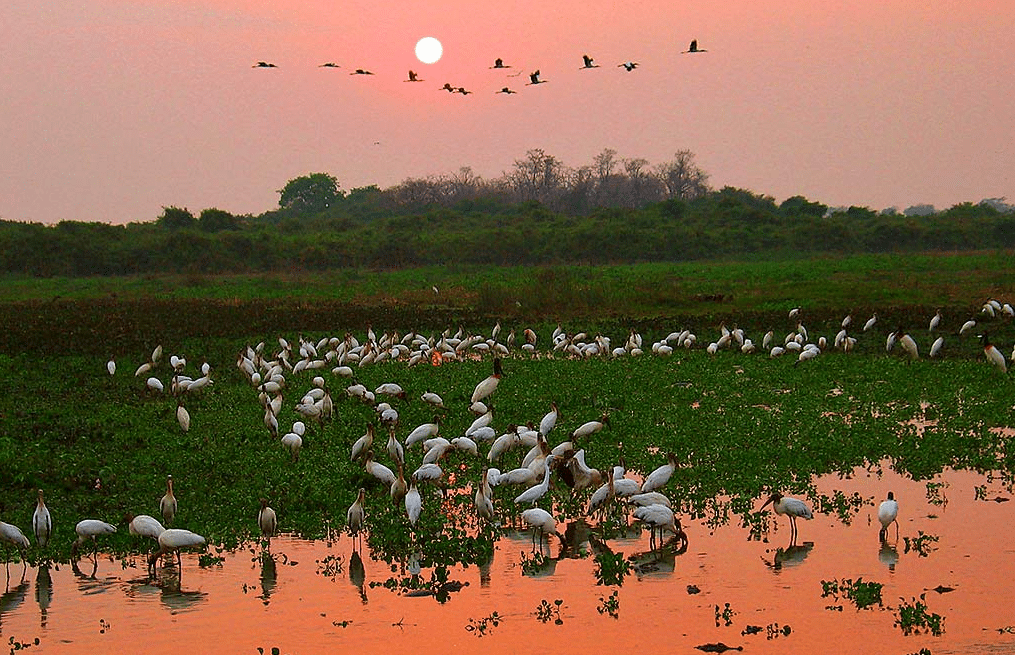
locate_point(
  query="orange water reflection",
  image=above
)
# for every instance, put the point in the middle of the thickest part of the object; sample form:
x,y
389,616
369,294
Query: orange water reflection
x,y
293,602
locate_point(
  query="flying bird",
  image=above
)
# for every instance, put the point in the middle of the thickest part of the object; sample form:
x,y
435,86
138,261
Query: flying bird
x,y
329,64
413,77
694,47
499,63
628,65
360,71
534,78
588,63
264,64
450,89
506,90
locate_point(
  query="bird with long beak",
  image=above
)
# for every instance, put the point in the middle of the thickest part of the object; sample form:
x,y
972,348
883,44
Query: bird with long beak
x,y
791,507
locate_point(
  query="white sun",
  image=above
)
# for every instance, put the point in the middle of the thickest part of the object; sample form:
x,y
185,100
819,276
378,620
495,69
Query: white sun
x,y
428,50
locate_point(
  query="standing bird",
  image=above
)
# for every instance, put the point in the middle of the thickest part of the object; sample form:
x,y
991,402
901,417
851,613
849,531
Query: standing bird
x,y
994,356
173,540
90,529
792,507
355,515
42,523
267,521
489,384
534,493
888,513
908,344
658,478
659,517
111,366
413,503
542,521
935,321
145,526
168,503
12,534
549,420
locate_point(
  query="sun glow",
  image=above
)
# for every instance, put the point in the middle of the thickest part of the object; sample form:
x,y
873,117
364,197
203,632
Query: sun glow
x,y
429,50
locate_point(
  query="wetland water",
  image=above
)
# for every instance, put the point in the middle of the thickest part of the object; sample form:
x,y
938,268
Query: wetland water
x,y
315,599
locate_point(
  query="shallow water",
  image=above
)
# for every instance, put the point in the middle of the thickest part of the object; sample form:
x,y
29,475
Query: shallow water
x,y
300,605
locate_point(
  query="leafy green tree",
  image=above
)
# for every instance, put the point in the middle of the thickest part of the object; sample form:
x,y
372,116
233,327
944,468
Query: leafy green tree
x,y
216,220
175,218
310,194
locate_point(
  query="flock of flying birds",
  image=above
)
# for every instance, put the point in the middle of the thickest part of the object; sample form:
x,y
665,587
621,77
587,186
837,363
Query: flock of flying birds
x,y
270,371
535,77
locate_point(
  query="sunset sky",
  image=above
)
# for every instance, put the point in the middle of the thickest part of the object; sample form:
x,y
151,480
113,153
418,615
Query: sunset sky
x,y
112,109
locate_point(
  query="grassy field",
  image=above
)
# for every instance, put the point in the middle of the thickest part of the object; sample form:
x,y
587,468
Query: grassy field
x,y
101,447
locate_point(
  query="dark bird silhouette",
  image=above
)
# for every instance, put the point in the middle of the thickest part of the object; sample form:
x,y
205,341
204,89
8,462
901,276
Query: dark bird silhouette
x,y
463,91
499,63
264,64
693,47
413,77
628,65
506,90
360,71
534,78
329,64
447,87
588,62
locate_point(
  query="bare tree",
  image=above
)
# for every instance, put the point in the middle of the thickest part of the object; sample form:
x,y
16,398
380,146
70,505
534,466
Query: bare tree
x,y
682,177
537,177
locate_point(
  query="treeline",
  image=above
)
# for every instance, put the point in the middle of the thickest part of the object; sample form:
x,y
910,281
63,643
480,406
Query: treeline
x,y
540,218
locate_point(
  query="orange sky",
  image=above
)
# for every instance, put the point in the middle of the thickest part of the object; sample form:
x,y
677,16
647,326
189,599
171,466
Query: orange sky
x,y
113,109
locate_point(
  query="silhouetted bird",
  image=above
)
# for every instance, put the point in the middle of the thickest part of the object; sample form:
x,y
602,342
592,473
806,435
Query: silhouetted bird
x,y
506,90
499,63
360,71
588,62
329,64
463,91
447,87
628,65
264,64
413,77
693,47
534,78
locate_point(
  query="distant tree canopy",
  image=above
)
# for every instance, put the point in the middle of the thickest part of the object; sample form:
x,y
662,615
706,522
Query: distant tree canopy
x,y
539,212
310,194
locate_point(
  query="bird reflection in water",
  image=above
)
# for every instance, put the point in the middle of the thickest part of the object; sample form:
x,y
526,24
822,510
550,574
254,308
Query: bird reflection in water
x,y
43,593
793,555
888,555
172,596
661,560
358,575
269,576
12,598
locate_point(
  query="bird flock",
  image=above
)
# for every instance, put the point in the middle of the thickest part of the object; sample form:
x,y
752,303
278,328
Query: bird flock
x,y
534,77
518,455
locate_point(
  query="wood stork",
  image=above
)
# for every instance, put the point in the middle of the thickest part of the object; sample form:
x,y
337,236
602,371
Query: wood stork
x,y
12,534
172,540
267,521
693,48
888,513
488,385
658,478
90,529
791,507
42,523
168,504
143,525
588,63
356,515
542,521
659,518
628,65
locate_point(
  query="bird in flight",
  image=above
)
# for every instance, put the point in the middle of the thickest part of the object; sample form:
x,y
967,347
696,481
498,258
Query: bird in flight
x,y
413,77
588,62
329,64
506,90
264,64
447,87
534,78
693,47
628,65
499,63
360,71
463,91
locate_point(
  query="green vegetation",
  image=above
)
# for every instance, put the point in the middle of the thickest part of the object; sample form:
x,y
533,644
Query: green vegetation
x,y
862,594
914,618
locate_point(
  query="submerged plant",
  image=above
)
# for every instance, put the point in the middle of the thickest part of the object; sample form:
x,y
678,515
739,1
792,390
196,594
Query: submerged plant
x,y
862,594
611,569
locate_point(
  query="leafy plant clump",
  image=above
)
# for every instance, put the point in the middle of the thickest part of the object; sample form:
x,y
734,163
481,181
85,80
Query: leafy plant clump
x,y
914,618
609,605
864,595
546,611
485,625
